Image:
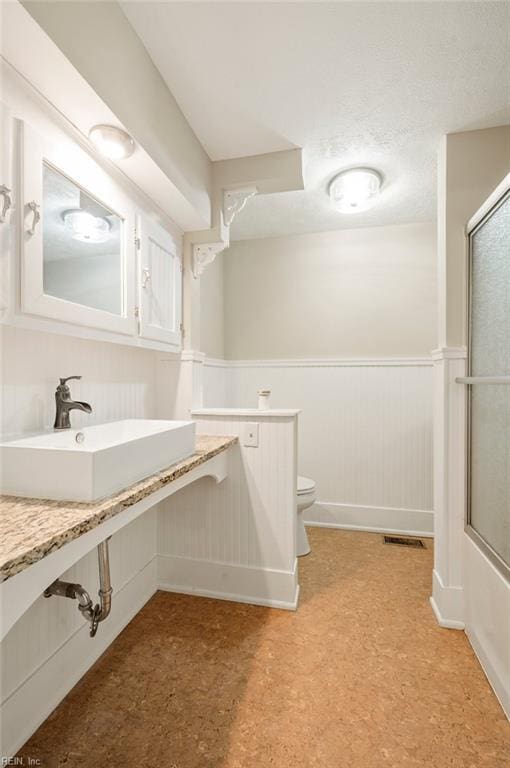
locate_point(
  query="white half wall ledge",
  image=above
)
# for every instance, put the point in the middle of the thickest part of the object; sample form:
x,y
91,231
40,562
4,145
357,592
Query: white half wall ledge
x,y
356,517
238,540
275,413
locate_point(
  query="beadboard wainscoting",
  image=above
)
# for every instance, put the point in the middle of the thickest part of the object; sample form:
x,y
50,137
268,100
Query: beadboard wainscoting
x,y
365,433
118,382
49,649
236,541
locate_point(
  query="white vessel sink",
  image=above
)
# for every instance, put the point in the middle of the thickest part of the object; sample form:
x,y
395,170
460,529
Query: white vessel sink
x,y
92,462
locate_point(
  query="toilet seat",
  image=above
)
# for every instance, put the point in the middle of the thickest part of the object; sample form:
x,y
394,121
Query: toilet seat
x,y
305,485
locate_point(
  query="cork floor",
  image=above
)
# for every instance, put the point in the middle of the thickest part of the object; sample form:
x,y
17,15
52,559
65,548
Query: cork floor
x,y
360,676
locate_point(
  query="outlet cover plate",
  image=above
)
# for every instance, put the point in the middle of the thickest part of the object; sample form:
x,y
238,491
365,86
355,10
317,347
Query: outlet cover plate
x,y
251,434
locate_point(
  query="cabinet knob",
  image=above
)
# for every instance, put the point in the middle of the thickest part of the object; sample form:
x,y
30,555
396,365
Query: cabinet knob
x,y
34,208
5,192
146,277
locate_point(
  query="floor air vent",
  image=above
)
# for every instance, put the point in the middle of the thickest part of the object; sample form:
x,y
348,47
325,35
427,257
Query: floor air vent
x,y
404,542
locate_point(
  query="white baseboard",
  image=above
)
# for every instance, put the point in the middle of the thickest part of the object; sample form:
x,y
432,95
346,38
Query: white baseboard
x,y
447,604
33,701
498,685
354,517
224,581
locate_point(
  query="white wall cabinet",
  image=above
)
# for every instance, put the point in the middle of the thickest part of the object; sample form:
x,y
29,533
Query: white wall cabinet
x,y
159,283
90,257
77,238
7,214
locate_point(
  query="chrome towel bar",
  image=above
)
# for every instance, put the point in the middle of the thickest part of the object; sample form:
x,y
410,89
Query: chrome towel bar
x,y
483,379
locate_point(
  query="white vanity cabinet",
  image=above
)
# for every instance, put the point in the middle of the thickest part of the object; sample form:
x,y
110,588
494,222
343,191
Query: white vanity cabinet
x,y
77,238
159,283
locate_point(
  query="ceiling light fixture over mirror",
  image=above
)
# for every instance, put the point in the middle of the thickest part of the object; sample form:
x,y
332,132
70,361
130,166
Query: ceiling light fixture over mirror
x,y
355,190
112,142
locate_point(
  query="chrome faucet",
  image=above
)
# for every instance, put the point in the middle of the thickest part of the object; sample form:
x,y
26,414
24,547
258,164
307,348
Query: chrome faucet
x,y
65,404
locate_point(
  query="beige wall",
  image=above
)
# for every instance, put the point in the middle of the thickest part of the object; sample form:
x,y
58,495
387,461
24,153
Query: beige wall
x,y
211,310
349,293
471,165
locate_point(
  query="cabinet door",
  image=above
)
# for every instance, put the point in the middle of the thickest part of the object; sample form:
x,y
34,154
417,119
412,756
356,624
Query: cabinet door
x,y
7,218
160,284
77,240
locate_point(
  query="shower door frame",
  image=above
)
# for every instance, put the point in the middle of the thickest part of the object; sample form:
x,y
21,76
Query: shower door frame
x,y
498,197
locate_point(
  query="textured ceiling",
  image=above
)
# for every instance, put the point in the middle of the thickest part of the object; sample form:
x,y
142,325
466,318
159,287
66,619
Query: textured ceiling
x,y
356,83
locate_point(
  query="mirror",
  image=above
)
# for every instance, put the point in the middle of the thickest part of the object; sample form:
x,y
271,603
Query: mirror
x,y
82,256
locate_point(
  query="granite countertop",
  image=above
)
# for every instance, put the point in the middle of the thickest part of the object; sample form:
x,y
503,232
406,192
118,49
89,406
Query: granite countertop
x,y
30,529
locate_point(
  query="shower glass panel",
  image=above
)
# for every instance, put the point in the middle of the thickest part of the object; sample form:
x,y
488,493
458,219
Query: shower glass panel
x,y
489,403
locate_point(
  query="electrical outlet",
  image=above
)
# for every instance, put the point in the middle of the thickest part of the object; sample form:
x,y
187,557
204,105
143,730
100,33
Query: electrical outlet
x,y
251,435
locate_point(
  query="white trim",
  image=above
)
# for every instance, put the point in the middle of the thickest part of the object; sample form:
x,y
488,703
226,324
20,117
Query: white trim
x,y
191,355
501,690
495,196
27,707
449,487
71,161
215,362
449,353
252,413
45,325
447,603
444,623
356,517
320,362
229,581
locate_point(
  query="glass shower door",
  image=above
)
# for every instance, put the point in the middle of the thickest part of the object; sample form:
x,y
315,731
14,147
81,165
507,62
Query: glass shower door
x,y
488,513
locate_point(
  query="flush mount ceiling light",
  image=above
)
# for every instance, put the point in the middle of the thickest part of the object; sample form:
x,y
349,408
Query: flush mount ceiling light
x,y
112,142
355,190
85,227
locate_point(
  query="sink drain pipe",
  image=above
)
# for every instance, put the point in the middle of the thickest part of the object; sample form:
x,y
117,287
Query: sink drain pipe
x,y
92,613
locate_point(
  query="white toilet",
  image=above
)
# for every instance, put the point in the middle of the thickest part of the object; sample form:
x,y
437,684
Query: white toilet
x,y
305,499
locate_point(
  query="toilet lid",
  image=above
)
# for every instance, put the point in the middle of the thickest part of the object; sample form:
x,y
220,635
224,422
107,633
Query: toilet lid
x,y
305,485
